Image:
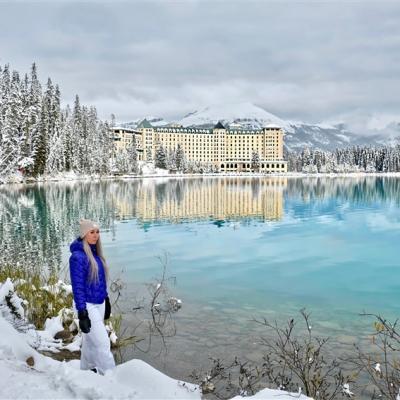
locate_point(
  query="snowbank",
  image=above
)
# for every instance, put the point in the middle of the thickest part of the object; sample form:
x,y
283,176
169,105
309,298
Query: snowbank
x,y
269,394
7,290
148,169
30,375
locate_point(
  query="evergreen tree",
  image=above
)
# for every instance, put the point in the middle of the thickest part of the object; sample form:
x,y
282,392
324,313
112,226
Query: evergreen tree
x,y
12,134
122,162
132,155
85,149
36,135
93,143
255,161
78,142
67,138
107,143
171,159
352,159
34,112
55,152
25,144
45,131
161,157
149,155
180,158
5,129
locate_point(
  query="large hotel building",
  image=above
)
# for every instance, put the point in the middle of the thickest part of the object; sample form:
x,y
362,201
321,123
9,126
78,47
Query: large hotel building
x,y
229,150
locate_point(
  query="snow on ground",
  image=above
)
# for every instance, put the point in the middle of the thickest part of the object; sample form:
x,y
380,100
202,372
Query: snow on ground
x,y
148,169
51,379
269,394
27,374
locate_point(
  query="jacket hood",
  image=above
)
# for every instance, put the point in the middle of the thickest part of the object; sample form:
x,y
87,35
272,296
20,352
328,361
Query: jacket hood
x,y
77,245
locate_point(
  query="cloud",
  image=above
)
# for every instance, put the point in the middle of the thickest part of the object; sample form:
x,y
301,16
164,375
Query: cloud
x,y
379,222
309,61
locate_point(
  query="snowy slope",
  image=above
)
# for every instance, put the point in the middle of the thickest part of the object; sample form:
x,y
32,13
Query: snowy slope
x,y
50,379
155,121
298,135
324,137
246,114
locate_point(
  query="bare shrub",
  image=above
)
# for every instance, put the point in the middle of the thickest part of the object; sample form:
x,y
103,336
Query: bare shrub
x,y
153,312
380,359
294,360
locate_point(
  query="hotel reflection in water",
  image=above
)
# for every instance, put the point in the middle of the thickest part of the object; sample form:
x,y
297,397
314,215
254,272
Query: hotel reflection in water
x,y
181,200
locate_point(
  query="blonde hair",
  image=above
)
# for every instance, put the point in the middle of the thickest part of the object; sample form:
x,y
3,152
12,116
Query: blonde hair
x,y
94,268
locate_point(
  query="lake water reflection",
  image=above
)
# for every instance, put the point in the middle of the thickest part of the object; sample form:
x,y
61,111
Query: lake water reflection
x,y
238,247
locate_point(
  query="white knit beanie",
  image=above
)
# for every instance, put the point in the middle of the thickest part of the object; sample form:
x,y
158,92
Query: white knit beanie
x,y
87,225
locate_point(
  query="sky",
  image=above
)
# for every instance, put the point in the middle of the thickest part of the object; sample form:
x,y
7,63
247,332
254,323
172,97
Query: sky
x,y
315,61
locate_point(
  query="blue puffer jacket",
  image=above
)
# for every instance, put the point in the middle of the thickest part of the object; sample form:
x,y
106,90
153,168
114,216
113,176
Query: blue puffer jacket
x,y
83,290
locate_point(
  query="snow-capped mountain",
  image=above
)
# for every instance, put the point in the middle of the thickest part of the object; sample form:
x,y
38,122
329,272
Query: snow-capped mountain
x,y
324,137
155,121
298,134
245,115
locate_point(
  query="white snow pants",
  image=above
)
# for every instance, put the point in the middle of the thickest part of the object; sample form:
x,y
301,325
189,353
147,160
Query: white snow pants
x,y
96,349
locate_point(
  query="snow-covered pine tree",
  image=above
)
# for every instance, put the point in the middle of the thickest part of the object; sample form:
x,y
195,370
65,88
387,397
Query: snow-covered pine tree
x,y
25,143
107,143
1,104
171,159
352,159
93,145
132,155
12,122
77,143
122,162
306,159
45,131
5,87
18,114
180,158
149,155
255,161
37,136
55,159
67,135
34,111
161,157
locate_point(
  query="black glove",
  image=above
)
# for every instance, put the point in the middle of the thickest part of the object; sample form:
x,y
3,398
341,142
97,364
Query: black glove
x,y
84,321
107,311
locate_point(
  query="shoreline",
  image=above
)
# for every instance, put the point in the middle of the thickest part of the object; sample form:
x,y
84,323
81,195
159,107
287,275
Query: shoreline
x,y
25,361
71,177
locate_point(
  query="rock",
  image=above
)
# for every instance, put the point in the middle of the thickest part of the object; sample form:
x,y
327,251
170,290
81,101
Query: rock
x,y
62,355
207,387
63,335
73,328
30,361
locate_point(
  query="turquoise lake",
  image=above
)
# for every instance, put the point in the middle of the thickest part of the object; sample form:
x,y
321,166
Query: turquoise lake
x,y
238,247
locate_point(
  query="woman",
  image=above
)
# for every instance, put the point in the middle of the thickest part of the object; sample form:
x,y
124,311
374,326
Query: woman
x,y
88,271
